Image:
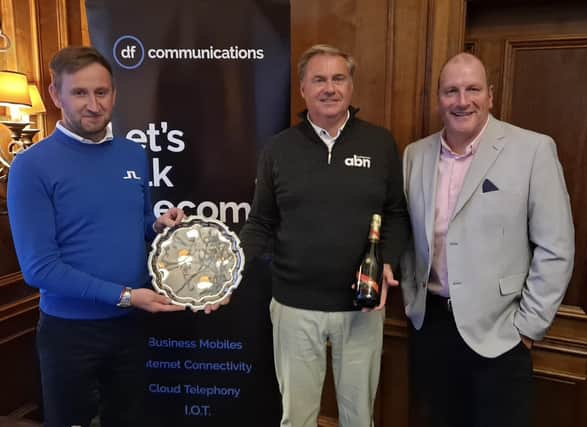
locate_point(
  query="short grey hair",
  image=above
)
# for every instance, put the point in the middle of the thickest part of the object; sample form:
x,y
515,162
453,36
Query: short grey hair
x,y
324,49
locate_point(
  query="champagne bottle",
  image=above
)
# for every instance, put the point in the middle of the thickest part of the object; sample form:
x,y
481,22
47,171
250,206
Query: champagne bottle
x,y
369,275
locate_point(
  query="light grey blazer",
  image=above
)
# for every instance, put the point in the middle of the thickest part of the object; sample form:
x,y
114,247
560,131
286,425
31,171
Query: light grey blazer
x,y
510,241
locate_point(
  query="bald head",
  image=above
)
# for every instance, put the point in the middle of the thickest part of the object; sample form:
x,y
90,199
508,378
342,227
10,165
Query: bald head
x,y
463,59
464,100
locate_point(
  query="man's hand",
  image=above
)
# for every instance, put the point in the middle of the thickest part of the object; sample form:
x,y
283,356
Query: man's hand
x,y
172,217
209,308
149,300
388,280
528,342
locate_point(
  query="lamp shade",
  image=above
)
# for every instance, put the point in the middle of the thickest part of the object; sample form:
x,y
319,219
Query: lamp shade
x,y
14,90
36,101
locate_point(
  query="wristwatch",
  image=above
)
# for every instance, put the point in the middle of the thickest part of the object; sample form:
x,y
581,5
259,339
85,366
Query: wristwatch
x,y
125,295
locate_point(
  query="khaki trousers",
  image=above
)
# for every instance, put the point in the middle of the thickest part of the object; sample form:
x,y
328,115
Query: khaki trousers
x,y
299,345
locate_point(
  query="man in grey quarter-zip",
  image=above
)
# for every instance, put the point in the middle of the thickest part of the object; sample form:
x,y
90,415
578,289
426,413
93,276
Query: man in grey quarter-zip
x,y
318,184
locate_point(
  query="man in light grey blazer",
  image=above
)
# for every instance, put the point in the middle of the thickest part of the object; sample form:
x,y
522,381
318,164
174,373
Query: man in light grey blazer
x,y
492,255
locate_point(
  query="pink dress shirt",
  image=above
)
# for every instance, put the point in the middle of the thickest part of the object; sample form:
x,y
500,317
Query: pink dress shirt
x,y
452,169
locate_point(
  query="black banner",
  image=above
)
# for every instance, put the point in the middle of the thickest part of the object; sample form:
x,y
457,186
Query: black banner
x,y
200,84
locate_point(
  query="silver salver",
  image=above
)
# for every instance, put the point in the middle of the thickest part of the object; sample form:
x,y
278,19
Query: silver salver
x,y
197,262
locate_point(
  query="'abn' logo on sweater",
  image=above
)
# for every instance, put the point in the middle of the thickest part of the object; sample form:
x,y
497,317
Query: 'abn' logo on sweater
x,y
358,161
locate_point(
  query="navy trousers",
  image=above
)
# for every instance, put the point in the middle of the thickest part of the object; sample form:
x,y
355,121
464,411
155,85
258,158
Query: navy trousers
x,y
91,367
455,387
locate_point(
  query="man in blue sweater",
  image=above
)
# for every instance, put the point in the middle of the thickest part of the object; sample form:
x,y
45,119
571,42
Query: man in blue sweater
x,y
81,215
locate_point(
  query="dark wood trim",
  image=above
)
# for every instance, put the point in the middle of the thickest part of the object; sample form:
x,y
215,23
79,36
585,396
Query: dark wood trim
x,y
513,45
446,37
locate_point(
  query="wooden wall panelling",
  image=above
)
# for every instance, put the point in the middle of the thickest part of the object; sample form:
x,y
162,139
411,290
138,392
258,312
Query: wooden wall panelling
x,y
85,31
560,375
8,262
13,289
406,79
75,18
560,412
8,59
19,374
388,39
359,27
18,364
35,41
393,394
446,29
23,34
54,35
61,23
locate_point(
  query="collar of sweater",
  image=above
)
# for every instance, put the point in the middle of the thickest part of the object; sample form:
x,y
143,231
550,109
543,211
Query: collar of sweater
x,y
307,128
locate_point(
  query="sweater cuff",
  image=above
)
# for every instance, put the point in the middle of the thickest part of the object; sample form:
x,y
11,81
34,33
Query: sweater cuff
x,y
111,294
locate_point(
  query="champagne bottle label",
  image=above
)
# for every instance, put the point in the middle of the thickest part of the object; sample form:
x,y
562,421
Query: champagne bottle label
x,y
368,281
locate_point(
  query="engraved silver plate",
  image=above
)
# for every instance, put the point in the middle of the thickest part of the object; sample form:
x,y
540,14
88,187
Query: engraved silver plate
x,y
197,262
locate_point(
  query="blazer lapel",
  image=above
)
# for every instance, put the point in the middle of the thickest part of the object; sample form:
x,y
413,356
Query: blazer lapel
x,y
429,180
489,148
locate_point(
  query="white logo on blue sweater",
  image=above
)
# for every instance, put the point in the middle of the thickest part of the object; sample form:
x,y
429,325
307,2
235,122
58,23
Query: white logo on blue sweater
x,y
358,161
131,175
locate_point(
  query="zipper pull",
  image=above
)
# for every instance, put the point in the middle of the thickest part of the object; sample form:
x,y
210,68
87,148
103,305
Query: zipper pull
x,y
329,154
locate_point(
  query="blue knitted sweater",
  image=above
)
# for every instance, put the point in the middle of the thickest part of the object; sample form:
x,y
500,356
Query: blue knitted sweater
x,y
80,216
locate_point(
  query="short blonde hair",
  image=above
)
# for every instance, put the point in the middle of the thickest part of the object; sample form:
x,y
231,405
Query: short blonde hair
x,y
324,49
